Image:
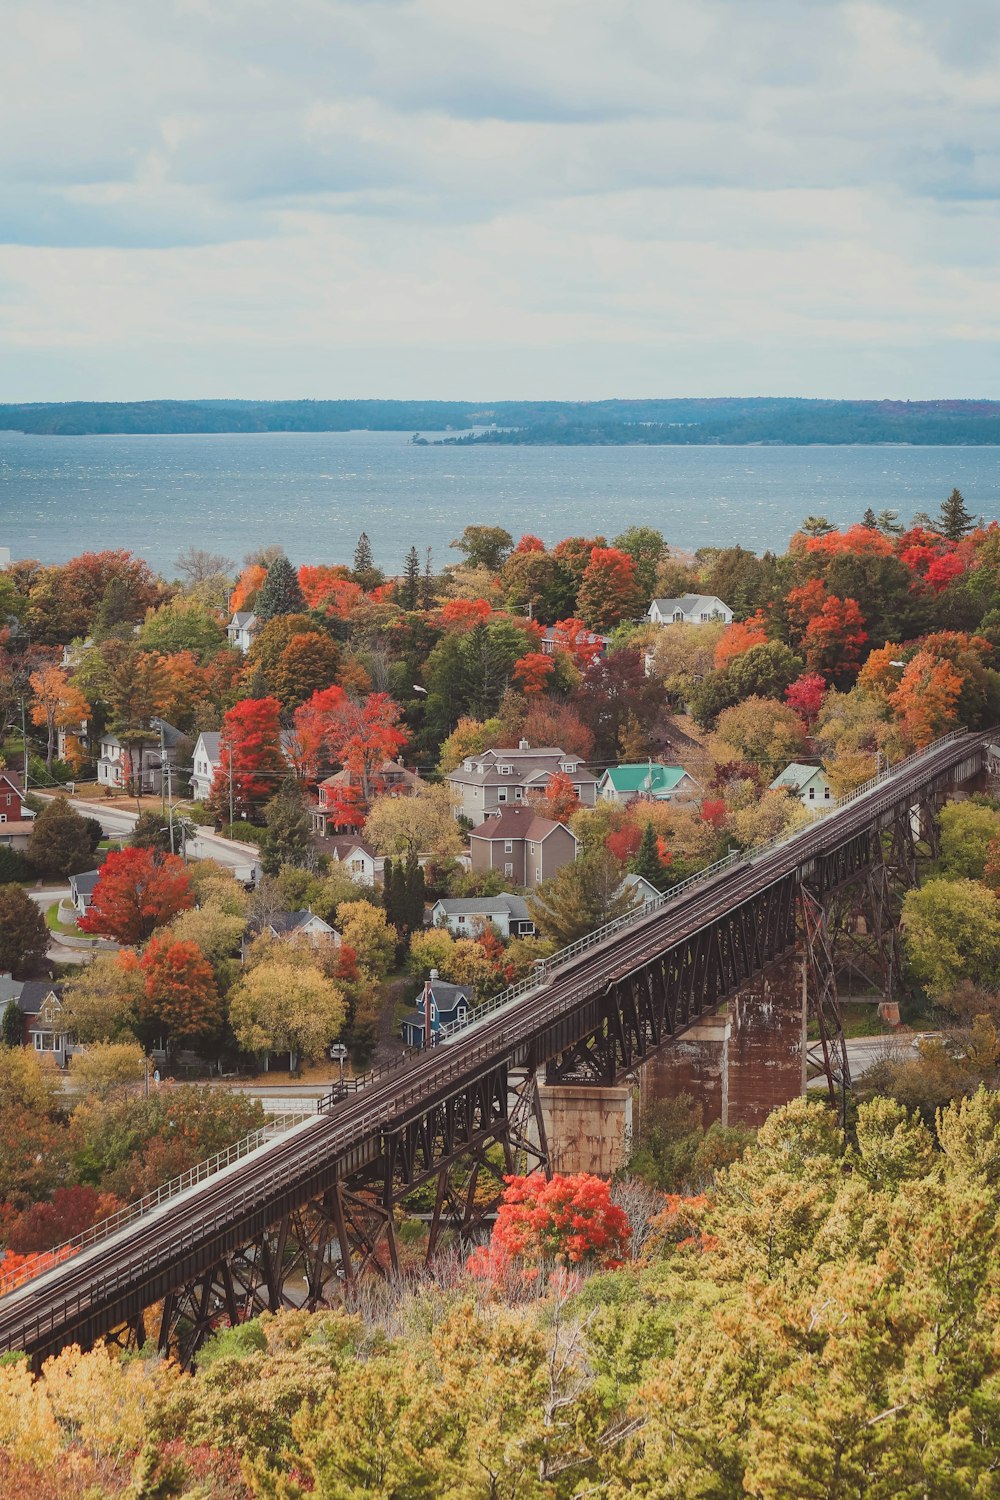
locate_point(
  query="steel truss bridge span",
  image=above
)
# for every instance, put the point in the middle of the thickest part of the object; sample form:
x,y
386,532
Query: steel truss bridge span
x,y
290,1222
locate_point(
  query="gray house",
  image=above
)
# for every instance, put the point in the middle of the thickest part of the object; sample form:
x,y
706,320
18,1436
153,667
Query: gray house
x,y
689,609
142,755
526,847
466,916
502,778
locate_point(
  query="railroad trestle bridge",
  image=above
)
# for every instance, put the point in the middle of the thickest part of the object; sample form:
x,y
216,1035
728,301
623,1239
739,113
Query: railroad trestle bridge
x,y
297,1220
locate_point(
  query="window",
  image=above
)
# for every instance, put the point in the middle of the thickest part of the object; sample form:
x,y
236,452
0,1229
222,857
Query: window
x,y
461,921
826,794
3,817
518,793
506,770
508,869
812,794
501,794
531,848
538,872
508,846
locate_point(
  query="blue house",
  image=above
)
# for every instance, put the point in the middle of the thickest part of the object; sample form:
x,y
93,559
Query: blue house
x,y
449,1002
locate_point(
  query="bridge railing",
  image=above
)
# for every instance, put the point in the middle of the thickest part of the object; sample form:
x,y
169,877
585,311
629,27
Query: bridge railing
x,y
105,1228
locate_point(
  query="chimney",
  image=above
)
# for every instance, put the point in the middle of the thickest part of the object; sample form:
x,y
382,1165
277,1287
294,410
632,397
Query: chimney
x,y
523,745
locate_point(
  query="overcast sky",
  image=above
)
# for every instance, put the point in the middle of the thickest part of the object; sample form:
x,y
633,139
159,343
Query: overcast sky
x,y
561,198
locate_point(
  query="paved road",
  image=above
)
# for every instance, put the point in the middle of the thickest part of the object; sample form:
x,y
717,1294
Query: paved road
x,y
58,952
863,1052
117,821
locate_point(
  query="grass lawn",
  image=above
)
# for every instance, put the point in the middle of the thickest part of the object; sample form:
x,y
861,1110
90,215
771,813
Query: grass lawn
x,y
53,923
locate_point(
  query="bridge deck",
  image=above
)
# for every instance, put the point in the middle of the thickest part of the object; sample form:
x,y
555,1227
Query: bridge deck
x,y
148,1258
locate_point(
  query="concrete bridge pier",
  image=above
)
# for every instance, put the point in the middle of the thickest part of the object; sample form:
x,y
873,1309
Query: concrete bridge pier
x,y
588,1126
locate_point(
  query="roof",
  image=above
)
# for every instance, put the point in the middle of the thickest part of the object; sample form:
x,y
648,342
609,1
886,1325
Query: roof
x,y
651,777
517,823
346,777
210,739
485,906
35,992
341,847
797,776
84,883
527,765
7,773
282,922
242,617
689,604
647,890
10,989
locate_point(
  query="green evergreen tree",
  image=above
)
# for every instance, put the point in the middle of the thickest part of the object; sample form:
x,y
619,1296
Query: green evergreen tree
x,y
389,891
288,839
869,520
888,523
415,888
60,841
428,594
646,861
364,572
955,520
12,1032
409,587
280,593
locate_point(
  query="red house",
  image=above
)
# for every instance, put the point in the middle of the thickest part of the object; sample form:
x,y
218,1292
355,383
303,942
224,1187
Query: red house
x,y
15,828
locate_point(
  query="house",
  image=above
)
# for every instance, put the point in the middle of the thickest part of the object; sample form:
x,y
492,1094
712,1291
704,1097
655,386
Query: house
x,y
467,916
143,756
449,1002
41,1005
282,924
550,642
497,778
75,738
204,764
358,858
690,609
82,890
523,845
15,820
242,629
810,784
345,787
650,782
643,888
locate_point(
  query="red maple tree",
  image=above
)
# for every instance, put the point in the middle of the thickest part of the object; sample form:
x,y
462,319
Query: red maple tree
x,y
251,765
465,613
805,695
560,801
573,637
609,591
529,543
738,637
70,1211
137,891
570,1219
16,1270
532,671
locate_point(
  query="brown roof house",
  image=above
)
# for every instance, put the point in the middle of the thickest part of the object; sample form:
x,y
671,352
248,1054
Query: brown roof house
x,y
391,780
502,778
524,846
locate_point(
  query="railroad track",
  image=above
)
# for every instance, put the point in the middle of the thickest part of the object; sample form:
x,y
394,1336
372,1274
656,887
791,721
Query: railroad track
x,y
225,1210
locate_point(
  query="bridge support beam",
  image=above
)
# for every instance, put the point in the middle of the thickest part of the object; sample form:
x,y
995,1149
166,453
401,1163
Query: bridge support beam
x,y
587,1126
697,1063
766,1049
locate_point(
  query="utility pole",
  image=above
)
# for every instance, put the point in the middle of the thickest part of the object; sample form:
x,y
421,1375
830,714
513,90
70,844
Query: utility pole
x,y
427,1007
163,761
230,783
24,743
170,802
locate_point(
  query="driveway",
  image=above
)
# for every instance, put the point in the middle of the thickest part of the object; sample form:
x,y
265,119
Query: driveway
x,y
43,898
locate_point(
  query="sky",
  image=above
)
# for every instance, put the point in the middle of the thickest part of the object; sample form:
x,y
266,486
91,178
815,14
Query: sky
x,y
566,199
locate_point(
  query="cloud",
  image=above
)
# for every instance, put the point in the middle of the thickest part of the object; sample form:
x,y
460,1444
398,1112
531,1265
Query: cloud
x,y
499,187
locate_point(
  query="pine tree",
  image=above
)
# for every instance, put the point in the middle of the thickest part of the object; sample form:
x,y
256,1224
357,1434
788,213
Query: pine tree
x,y
364,572
280,593
388,892
413,905
647,859
11,1032
409,588
954,520
869,520
428,596
288,840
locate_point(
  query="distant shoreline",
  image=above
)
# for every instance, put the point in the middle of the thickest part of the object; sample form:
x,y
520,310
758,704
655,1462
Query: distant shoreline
x,y
684,422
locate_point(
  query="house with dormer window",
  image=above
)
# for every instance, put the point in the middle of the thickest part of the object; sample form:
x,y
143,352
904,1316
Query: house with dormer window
x,y
505,778
449,1002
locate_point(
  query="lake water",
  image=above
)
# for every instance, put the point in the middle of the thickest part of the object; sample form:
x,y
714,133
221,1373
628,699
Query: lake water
x,y
314,492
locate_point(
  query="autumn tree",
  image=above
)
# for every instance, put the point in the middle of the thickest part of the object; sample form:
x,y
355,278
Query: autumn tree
x,y
251,765
423,822
180,998
568,1219
308,664
805,696
364,928
761,730
24,937
615,694
100,1000
183,624
485,546
533,671
926,701
137,891
610,590
560,800
286,1007
57,703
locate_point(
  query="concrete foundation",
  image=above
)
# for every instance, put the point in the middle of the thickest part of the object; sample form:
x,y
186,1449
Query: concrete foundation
x,y
588,1127
696,1064
767,1043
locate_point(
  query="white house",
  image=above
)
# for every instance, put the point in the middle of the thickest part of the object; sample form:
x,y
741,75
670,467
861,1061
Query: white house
x,y
643,888
143,756
205,763
297,924
82,889
810,784
242,629
358,858
467,916
690,609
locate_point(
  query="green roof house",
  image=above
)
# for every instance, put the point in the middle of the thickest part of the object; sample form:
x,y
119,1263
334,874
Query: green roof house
x,y
650,782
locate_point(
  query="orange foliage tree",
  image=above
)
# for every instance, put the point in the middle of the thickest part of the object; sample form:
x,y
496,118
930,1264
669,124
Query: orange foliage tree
x,y
180,995
57,703
137,891
248,586
532,672
926,700
560,801
251,765
569,1219
330,589
610,590
573,637
465,612
16,1270
739,637
835,635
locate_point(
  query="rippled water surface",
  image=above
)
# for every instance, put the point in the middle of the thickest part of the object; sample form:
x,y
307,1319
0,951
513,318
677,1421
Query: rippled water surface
x,y
314,492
